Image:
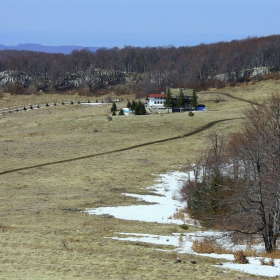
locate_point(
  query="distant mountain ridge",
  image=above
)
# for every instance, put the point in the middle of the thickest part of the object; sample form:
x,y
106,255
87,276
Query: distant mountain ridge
x,y
46,49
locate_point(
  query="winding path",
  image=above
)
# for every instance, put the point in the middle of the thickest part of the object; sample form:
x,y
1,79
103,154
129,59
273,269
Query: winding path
x,y
207,126
231,96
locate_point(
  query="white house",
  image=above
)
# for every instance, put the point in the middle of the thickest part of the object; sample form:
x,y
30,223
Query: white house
x,y
156,101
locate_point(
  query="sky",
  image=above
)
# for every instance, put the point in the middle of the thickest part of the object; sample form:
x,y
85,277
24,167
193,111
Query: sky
x,y
142,23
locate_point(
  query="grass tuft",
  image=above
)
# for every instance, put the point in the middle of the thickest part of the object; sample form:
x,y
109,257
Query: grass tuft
x,y
240,257
206,246
270,262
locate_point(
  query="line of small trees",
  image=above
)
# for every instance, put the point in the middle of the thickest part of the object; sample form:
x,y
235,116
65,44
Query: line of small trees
x,y
114,109
180,100
236,183
137,107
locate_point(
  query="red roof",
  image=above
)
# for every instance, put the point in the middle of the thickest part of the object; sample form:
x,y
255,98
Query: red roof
x,y
156,95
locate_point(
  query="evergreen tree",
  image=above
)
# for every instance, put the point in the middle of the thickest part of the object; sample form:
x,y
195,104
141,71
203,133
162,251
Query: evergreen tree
x,y
121,112
142,110
137,108
181,100
128,105
168,100
193,102
133,104
114,107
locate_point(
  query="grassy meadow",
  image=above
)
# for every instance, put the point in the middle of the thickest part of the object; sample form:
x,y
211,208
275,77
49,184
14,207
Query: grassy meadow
x,y
44,231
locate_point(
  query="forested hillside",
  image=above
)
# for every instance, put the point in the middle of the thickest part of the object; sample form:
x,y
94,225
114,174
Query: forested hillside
x,y
142,70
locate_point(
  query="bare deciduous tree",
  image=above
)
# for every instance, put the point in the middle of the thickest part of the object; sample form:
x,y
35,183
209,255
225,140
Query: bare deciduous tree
x,y
239,188
257,151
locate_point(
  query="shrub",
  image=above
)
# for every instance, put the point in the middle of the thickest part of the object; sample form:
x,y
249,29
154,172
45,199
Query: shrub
x,y
54,104
240,257
209,245
270,262
109,118
38,106
121,112
191,114
184,226
47,104
62,103
24,108
72,103
114,107
206,246
31,107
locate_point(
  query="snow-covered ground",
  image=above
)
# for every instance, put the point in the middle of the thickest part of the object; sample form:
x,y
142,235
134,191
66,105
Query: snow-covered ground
x,y
165,208
164,198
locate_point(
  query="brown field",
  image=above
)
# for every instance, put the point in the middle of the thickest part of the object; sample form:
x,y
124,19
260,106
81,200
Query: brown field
x,y
60,160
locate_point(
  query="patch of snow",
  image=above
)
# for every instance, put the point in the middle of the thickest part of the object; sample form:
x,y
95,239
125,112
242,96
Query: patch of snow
x,y
184,246
255,268
166,203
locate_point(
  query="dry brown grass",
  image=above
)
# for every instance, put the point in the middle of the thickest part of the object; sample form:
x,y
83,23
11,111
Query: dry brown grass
x,y
274,254
240,257
206,246
44,232
209,245
270,262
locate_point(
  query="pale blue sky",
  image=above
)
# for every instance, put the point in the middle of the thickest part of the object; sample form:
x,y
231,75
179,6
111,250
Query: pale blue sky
x,y
109,23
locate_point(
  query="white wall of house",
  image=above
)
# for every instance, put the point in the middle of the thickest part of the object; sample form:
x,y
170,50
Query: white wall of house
x,y
156,102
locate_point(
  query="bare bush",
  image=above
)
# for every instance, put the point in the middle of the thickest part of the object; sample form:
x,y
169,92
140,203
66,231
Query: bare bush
x,y
240,257
264,262
238,187
205,246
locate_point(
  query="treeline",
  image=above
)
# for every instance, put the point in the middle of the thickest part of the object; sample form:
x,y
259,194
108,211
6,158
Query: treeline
x,y
150,69
236,182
